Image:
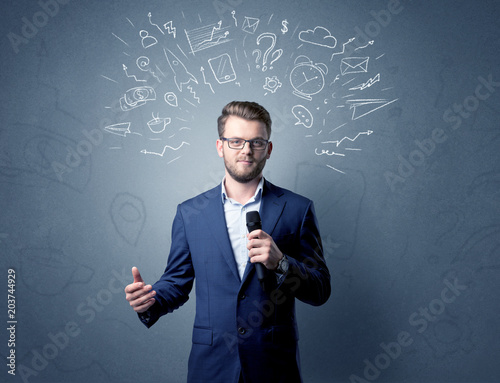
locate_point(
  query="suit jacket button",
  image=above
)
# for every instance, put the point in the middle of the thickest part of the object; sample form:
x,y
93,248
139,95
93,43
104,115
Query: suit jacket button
x,y
242,296
242,330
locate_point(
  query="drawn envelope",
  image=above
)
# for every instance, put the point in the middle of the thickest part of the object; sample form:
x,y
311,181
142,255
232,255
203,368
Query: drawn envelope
x,y
250,24
350,65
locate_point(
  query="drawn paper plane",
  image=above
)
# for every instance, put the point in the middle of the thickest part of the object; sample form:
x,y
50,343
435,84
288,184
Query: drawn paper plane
x,y
120,129
363,107
349,65
181,74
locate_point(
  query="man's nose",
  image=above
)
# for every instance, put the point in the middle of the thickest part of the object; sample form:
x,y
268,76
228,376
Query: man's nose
x,y
247,148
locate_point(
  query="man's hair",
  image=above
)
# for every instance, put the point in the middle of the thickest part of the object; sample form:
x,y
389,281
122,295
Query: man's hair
x,y
247,110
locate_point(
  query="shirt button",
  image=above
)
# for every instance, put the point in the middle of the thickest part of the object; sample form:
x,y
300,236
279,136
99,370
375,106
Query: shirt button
x,y
242,330
242,296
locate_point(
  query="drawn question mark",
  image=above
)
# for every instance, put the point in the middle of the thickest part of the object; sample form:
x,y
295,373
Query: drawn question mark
x,y
276,53
272,36
259,53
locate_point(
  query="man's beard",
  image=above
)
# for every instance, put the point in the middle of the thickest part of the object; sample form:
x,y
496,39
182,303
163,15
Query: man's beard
x,y
245,177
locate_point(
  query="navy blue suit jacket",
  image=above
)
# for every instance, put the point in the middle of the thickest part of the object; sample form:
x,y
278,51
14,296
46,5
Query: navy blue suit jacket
x,y
239,326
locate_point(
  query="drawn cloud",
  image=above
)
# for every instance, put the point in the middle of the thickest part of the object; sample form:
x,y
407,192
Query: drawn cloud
x,y
319,36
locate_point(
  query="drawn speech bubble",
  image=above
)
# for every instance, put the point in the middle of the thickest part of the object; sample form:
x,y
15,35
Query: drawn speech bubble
x,y
303,116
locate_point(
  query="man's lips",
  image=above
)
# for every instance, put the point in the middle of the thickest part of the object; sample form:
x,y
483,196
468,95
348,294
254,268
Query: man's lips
x,y
245,162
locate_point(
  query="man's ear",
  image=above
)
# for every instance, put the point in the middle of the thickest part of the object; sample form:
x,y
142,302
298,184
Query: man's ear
x,y
220,148
269,149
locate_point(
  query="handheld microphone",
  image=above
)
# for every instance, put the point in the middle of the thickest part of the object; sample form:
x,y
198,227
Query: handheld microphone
x,y
254,223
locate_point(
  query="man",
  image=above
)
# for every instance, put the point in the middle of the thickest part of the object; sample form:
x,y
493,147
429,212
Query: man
x,y
244,330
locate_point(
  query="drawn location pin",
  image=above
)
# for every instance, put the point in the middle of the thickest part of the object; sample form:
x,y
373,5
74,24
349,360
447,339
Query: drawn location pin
x,y
171,99
128,215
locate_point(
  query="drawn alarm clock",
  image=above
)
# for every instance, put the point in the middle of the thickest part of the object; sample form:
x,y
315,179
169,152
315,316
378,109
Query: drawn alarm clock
x,y
307,78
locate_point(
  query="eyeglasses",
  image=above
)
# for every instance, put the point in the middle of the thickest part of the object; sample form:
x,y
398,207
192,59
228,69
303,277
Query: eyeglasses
x,y
239,143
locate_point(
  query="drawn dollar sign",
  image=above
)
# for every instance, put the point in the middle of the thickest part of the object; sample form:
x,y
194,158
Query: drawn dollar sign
x,y
285,28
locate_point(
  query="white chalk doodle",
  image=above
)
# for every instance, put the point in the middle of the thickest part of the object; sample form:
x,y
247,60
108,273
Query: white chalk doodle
x,y
233,13
171,99
343,48
181,74
207,37
284,28
337,108
109,79
153,24
136,97
190,88
170,28
364,46
327,152
364,107
120,129
277,54
338,142
337,170
303,116
318,36
157,124
272,84
143,64
307,78
367,84
205,80
162,153
146,39
222,68
258,54
350,65
123,41
125,69
250,25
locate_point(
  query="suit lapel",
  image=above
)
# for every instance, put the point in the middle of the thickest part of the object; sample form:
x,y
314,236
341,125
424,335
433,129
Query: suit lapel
x,y
217,225
271,208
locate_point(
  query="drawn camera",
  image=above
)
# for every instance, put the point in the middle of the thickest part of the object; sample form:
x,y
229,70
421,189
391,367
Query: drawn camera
x,y
136,97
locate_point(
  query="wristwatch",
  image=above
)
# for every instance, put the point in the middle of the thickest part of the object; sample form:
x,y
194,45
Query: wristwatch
x,y
283,265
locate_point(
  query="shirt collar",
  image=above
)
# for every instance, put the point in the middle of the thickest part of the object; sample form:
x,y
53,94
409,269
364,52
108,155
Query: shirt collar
x,y
256,196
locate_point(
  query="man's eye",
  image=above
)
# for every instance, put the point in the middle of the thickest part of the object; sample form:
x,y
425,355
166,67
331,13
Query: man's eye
x,y
258,143
236,142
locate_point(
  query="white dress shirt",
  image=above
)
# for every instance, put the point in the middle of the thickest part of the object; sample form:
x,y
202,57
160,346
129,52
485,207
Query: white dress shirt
x,y
235,214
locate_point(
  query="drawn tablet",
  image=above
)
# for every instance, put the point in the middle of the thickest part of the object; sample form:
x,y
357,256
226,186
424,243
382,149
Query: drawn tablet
x,y
222,68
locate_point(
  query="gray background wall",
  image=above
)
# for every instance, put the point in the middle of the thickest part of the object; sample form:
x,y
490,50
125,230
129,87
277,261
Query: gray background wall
x,y
401,160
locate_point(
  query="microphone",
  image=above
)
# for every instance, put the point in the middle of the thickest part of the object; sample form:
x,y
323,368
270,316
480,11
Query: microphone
x,y
254,223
